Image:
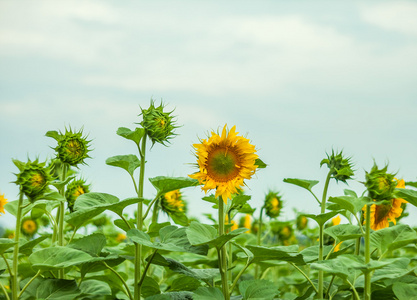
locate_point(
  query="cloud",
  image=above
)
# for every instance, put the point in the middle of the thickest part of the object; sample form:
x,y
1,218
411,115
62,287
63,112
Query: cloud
x,y
397,16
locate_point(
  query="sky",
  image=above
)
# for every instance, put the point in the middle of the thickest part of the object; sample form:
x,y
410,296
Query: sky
x,y
298,78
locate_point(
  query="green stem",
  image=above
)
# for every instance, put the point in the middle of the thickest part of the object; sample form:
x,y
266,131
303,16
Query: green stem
x,y
367,290
139,221
7,264
305,275
61,212
29,282
330,285
323,209
124,220
129,294
147,267
15,283
5,292
258,239
354,290
238,276
155,213
223,252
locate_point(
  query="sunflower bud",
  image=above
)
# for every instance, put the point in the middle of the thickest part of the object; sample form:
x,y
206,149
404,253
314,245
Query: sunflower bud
x,y
273,204
285,232
172,202
72,147
301,222
29,227
33,179
159,125
75,189
380,184
340,167
9,234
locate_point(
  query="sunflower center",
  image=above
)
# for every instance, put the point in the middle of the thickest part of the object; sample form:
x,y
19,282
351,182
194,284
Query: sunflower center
x,y
78,191
275,203
223,164
37,180
381,212
74,148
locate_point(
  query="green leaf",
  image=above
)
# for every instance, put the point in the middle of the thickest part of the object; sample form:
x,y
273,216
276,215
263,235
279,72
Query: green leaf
x,y
54,258
352,204
57,289
185,283
405,291
344,232
165,184
394,237
90,205
6,244
150,287
238,202
397,268
97,264
409,195
128,162
172,296
311,253
281,253
179,218
54,134
122,225
208,293
154,228
200,274
338,267
411,183
201,234
322,218
95,288
11,207
358,262
27,247
260,163
91,244
258,289
306,184
135,135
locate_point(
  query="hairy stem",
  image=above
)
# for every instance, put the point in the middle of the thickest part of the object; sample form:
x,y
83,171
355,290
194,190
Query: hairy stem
x,y
15,282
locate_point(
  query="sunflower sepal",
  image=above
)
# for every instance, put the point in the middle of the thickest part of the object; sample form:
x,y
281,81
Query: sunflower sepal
x,y
60,184
340,166
380,184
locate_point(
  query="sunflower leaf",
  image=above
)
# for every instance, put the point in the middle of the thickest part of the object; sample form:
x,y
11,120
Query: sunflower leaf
x,y
54,258
165,184
128,162
135,135
322,218
304,183
282,253
388,239
208,293
409,195
344,232
405,291
5,244
258,289
57,289
260,163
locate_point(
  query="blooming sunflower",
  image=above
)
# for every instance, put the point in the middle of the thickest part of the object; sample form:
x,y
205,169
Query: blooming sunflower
x,y
3,201
382,214
224,162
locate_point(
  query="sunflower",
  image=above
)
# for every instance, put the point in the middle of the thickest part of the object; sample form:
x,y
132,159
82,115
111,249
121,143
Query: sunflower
x,y
172,202
382,214
273,204
120,237
224,162
29,227
3,201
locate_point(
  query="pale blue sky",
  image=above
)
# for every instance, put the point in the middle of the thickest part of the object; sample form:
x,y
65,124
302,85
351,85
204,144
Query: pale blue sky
x,y
297,78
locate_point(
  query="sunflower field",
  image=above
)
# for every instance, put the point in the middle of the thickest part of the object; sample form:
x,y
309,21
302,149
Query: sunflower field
x,y
72,242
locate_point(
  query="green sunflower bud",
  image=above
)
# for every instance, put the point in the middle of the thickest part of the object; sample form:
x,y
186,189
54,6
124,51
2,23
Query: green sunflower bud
x,y
33,179
172,202
159,125
340,167
72,147
301,222
380,184
273,204
285,232
75,189
100,220
29,227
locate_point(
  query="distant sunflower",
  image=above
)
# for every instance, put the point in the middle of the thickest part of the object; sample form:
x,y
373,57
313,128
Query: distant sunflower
x,y
3,201
172,202
29,226
382,214
224,162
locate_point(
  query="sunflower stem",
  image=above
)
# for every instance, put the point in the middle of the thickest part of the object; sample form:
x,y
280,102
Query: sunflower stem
x,y
321,233
230,253
258,239
367,290
223,252
15,282
139,221
61,212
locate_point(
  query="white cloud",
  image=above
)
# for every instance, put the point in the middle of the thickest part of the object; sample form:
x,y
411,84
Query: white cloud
x,y
399,16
